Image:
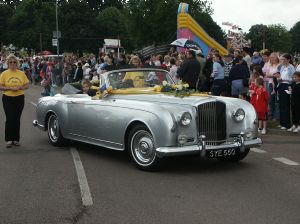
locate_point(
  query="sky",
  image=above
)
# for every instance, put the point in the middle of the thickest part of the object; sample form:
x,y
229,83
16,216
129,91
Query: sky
x,y
246,13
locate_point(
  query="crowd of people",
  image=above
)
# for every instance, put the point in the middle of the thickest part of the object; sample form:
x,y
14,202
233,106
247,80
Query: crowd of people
x,y
269,81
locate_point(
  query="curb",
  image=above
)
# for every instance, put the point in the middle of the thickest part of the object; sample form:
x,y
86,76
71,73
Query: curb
x,y
281,132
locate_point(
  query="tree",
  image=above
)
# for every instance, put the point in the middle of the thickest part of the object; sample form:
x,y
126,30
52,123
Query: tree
x,y
257,35
276,37
30,21
101,5
112,24
295,32
5,13
155,21
78,27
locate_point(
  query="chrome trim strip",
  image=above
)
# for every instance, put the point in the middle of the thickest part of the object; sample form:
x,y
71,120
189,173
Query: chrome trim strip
x,y
96,139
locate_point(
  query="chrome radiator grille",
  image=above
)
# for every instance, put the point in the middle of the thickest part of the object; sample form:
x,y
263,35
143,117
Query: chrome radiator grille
x,y
212,122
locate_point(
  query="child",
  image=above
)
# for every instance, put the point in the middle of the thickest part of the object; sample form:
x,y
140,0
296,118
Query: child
x,y
252,86
86,88
295,103
260,104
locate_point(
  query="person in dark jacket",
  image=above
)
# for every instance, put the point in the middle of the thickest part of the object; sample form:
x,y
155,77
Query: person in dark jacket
x,y
78,73
295,103
237,77
189,70
206,71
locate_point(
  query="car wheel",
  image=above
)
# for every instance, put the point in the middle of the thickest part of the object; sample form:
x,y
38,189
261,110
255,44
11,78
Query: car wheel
x,y
237,157
142,150
54,133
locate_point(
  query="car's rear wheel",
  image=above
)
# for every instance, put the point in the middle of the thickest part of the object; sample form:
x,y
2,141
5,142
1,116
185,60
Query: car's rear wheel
x,y
54,133
235,158
142,150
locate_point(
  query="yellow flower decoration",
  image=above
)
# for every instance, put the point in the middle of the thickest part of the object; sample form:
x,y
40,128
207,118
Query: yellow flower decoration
x,y
157,88
109,89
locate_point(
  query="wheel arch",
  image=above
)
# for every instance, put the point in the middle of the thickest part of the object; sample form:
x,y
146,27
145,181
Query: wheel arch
x,y
131,125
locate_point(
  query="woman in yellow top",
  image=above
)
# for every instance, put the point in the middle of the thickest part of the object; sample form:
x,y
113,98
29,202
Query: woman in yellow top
x,y
137,78
13,82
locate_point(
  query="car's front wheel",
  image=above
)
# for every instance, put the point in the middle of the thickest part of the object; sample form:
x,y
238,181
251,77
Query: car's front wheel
x,y
142,150
235,158
54,133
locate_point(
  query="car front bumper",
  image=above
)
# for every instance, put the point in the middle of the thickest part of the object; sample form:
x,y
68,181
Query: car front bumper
x,y
201,148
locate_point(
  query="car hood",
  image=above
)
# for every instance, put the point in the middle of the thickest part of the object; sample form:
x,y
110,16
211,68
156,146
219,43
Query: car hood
x,y
164,98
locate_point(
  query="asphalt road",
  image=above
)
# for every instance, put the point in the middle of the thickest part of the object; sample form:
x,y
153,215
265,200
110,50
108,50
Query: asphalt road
x,y
39,184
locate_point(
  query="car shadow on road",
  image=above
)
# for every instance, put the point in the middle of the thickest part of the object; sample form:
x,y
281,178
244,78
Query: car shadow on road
x,y
179,164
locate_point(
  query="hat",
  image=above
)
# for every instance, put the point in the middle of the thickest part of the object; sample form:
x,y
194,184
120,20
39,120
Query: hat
x,y
86,65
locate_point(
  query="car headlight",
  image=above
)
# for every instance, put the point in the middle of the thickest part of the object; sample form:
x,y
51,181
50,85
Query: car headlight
x,y
238,115
186,119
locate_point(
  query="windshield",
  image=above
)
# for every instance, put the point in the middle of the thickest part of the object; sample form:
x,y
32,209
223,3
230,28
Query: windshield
x,y
138,78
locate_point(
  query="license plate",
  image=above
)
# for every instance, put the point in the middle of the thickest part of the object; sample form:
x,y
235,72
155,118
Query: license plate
x,y
221,153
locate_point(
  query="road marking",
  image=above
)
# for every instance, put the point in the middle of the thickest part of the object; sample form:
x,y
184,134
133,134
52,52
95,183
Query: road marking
x,y
83,184
258,150
34,104
286,161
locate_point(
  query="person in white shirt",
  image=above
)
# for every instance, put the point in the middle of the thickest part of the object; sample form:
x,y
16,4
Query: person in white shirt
x,y
246,56
284,78
298,65
86,71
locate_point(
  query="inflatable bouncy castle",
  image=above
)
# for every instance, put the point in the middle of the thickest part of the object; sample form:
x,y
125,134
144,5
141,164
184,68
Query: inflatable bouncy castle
x,y
188,28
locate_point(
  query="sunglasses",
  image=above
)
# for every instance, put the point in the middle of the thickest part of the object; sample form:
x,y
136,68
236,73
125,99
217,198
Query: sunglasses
x,y
12,62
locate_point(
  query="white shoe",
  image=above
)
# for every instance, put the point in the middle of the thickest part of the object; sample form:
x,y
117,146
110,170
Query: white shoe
x,y
263,131
296,130
292,128
259,130
283,128
278,126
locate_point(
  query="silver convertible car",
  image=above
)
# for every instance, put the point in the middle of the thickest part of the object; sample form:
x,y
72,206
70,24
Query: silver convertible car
x,y
138,116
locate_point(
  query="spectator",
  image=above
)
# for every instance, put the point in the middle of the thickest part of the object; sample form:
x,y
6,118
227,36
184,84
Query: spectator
x,y
285,79
166,63
257,59
270,69
173,70
189,70
78,73
219,84
86,71
295,103
298,65
237,77
207,70
246,56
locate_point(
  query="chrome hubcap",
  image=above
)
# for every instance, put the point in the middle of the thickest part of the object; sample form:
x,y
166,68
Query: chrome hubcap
x,y
53,128
143,148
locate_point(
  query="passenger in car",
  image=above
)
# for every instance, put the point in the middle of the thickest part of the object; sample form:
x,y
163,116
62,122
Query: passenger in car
x,y
86,88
